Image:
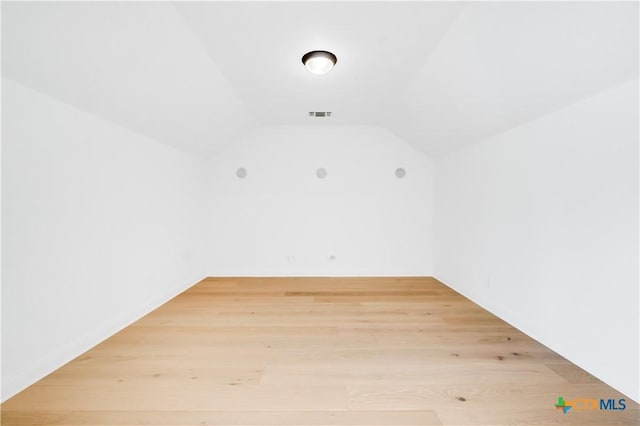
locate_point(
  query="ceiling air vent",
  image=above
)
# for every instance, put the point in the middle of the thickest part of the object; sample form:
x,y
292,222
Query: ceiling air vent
x,y
320,113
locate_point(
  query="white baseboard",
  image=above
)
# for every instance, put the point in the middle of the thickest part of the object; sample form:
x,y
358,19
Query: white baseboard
x,y
55,359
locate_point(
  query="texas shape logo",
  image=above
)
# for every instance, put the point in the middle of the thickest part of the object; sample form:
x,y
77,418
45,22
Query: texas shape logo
x,y
563,405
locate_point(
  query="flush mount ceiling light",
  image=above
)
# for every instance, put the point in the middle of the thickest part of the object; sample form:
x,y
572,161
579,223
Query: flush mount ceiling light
x,y
319,61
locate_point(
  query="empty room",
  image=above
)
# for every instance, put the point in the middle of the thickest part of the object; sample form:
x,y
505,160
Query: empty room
x,y
320,213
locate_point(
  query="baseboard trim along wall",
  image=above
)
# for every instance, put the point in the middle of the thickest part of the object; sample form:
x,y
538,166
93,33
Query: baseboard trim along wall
x,y
66,352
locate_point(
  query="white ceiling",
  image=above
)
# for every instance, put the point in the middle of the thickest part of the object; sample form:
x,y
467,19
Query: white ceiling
x,y
198,75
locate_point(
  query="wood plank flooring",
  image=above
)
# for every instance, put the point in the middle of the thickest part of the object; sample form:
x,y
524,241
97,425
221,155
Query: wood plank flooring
x,y
316,351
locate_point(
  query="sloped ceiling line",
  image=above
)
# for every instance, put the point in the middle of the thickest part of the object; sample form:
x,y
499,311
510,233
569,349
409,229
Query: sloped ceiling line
x,y
199,75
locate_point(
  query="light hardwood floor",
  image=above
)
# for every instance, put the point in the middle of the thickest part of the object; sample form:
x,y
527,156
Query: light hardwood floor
x,y
315,351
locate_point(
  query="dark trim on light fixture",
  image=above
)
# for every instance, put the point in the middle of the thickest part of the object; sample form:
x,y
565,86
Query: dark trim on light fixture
x,y
319,61
317,54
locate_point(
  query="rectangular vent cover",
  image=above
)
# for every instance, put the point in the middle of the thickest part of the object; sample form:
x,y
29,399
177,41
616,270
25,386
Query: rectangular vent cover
x,y
320,113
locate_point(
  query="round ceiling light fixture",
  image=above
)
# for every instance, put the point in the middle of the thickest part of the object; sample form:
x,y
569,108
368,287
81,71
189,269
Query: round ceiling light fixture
x,y
319,61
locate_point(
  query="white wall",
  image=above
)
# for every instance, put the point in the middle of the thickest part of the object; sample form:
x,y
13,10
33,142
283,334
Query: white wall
x,y
100,225
540,226
281,220
1,399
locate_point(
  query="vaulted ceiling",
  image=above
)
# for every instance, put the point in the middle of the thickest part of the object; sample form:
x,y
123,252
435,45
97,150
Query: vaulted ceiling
x,y
198,75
